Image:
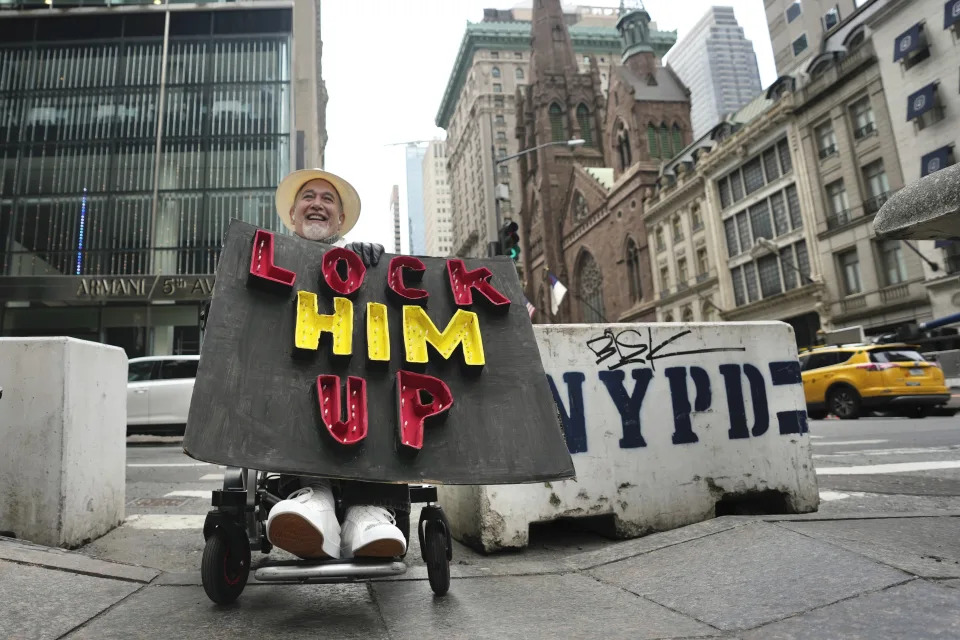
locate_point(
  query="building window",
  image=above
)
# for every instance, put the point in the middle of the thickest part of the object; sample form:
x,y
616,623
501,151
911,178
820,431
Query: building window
x,y
760,220
677,140
665,142
800,45
783,150
743,231
682,273
658,239
793,205
739,293
586,124
723,188
911,46
518,54
736,186
557,130
591,290
501,136
703,263
831,19
686,315
753,175
518,73
794,11
664,281
498,102
781,223
894,268
494,54
652,143
497,87
862,114
770,165
837,203
495,72
501,152
677,226
633,271
696,220
750,277
826,140
500,121
730,230
850,268
878,188
769,269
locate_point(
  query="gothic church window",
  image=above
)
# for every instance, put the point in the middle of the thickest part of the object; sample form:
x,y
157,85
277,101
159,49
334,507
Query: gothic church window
x,y
652,143
677,139
591,289
665,142
586,126
557,130
580,210
633,271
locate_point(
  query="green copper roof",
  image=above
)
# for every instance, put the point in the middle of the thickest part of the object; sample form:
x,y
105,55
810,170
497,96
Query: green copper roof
x,y
514,36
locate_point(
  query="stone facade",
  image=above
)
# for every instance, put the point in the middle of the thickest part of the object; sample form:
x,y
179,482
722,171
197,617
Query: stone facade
x,y
581,217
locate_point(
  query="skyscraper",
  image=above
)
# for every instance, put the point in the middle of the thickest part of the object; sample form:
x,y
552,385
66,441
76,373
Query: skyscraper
x,y
719,67
395,210
129,137
415,154
436,201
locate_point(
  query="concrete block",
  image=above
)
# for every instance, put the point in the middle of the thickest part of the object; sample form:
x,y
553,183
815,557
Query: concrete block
x,y
663,421
63,429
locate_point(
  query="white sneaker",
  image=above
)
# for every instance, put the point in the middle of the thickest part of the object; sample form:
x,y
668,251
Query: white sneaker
x,y
305,524
371,532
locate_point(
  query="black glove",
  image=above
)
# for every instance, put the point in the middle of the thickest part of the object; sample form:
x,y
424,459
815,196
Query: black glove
x,y
369,252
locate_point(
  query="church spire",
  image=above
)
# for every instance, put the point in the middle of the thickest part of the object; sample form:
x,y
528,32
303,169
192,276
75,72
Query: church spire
x,y
634,28
552,48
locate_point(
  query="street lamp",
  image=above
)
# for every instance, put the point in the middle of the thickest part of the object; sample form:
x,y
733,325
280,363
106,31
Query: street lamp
x,y
763,246
576,142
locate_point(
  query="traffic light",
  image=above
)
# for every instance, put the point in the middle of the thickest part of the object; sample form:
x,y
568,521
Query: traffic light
x,y
510,241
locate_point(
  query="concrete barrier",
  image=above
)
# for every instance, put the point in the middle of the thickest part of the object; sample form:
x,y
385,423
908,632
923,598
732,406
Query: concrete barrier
x,y
668,425
63,429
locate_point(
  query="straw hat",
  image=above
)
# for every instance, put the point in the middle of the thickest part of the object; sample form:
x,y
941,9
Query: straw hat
x,y
291,185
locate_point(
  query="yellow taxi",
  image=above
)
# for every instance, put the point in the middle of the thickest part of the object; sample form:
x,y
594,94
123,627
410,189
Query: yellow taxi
x,y
847,380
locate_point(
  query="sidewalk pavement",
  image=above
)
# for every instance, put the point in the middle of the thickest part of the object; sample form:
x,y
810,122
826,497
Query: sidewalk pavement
x,y
747,577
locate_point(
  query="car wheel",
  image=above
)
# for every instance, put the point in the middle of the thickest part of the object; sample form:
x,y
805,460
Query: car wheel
x,y
816,415
844,402
915,413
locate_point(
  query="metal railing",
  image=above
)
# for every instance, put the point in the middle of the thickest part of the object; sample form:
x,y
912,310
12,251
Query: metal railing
x,y
826,152
873,205
838,219
865,130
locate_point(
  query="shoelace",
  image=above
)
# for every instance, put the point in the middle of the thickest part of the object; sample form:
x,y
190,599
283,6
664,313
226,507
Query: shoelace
x,y
380,514
305,494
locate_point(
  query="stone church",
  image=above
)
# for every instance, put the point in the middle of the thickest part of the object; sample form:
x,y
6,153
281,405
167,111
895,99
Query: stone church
x,y
582,207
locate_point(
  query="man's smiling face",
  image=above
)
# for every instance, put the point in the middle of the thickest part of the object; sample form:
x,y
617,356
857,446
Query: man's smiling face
x,y
317,212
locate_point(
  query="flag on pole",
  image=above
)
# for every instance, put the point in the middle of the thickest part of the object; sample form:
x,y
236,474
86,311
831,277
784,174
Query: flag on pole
x,y
557,291
530,308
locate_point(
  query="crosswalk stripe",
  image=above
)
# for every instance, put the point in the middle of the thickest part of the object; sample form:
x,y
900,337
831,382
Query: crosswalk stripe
x,y
164,522
885,452
829,496
896,467
847,443
169,464
187,494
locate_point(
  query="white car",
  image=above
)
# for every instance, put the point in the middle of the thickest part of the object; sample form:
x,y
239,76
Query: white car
x,y
159,390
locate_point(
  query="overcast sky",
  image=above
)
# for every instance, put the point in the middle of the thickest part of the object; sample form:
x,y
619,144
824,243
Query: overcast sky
x,y
386,64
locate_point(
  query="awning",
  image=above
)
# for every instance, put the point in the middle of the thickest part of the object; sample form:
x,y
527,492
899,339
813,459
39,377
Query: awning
x,y
951,13
922,101
935,160
907,42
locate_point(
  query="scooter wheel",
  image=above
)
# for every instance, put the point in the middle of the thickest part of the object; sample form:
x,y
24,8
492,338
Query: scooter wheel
x,y
224,576
435,555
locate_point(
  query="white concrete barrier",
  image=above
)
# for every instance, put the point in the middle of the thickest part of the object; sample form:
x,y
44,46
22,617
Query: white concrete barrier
x,y
63,435
664,421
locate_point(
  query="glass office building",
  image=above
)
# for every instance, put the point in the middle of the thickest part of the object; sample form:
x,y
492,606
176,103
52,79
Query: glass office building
x,y
129,138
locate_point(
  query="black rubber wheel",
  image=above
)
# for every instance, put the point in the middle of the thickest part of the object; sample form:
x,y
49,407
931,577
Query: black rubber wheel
x,y
844,402
224,577
916,413
435,555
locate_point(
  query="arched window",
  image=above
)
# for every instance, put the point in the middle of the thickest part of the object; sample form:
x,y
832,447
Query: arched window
x,y
590,283
668,316
519,73
665,142
586,124
677,139
706,310
496,72
652,141
557,130
687,314
623,146
633,271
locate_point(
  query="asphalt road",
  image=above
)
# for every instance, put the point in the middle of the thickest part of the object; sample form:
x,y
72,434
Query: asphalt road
x,y
867,466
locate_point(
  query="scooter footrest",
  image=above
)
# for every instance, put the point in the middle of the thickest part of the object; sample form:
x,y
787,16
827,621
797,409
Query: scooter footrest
x,y
329,571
